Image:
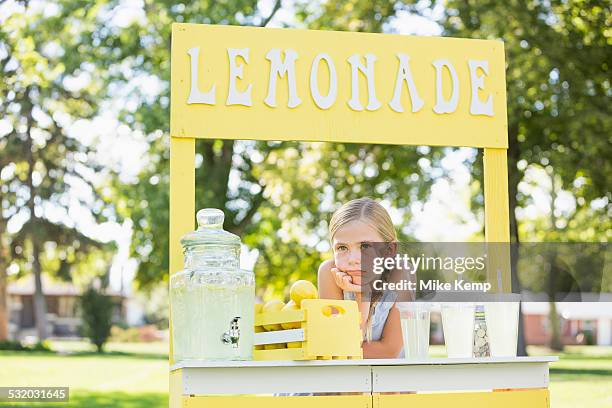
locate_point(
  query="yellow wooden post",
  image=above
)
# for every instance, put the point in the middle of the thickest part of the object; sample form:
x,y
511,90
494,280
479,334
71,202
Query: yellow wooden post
x,y
182,201
176,389
497,227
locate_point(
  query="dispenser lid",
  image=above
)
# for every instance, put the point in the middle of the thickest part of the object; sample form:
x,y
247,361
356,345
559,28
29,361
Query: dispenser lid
x,y
210,231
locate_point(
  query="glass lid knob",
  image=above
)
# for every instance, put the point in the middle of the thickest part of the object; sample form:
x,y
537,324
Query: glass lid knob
x,y
210,218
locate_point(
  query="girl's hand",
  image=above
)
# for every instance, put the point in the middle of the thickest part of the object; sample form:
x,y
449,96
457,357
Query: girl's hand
x,y
344,281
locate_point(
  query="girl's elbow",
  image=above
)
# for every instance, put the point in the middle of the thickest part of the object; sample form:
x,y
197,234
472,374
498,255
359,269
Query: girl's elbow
x,y
392,352
394,349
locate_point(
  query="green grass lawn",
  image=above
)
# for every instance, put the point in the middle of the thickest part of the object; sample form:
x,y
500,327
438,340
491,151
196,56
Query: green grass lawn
x,y
135,375
128,375
581,378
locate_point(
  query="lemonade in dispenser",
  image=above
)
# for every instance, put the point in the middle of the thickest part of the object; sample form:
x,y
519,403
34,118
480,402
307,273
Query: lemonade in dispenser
x,y
212,299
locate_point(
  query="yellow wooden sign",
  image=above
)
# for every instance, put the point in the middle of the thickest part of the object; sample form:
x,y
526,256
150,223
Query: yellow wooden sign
x,y
276,84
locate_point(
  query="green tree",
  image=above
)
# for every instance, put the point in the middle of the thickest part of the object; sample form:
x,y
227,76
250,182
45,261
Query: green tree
x,y
352,15
51,60
578,224
4,318
146,201
4,251
97,313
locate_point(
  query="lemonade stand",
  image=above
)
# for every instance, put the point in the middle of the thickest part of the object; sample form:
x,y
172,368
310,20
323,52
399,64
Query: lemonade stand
x,y
277,84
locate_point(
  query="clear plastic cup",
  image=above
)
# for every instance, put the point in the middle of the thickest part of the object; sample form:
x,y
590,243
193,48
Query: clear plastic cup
x,y
415,320
502,325
458,326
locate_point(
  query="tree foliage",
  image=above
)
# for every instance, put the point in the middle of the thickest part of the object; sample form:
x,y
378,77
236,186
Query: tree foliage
x,y
52,76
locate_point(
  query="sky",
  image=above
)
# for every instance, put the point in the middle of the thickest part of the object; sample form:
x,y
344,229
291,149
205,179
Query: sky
x,y
444,217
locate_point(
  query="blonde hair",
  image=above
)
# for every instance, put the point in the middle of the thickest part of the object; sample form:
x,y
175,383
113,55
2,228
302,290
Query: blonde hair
x,y
375,215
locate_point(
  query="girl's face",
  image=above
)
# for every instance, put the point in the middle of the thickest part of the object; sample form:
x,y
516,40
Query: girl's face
x,y
350,242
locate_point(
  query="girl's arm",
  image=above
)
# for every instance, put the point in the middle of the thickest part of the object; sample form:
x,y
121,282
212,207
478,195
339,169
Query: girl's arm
x,y
391,340
328,289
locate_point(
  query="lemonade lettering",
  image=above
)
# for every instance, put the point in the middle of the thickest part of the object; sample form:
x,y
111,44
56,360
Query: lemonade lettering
x,y
282,66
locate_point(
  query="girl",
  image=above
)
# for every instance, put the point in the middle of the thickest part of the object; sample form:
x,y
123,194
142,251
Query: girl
x,y
352,229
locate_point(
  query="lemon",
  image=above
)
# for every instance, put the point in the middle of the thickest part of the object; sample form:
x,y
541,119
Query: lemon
x,y
272,306
258,329
301,290
292,325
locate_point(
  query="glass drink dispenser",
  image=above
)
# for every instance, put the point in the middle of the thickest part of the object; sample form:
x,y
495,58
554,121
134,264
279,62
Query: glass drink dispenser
x,y
212,299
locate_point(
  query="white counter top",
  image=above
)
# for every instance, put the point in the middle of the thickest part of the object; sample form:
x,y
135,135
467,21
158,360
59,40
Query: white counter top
x,y
364,362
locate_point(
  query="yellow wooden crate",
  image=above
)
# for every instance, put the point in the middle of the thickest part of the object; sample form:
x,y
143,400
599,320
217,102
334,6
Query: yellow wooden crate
x,y
329,328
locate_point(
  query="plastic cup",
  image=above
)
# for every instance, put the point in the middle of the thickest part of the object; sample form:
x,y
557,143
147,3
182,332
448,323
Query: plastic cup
x,y
415,320
458,326
502,326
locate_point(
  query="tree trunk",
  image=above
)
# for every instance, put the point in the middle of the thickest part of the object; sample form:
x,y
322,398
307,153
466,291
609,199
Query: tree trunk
x,y
556,342
521,345
555,328
513,180
4,317
40,306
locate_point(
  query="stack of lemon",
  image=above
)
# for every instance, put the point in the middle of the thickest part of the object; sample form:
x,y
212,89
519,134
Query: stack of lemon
x,y
299,291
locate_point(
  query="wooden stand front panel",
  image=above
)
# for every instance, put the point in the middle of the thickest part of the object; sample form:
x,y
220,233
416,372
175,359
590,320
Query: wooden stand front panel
x,y
508,399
